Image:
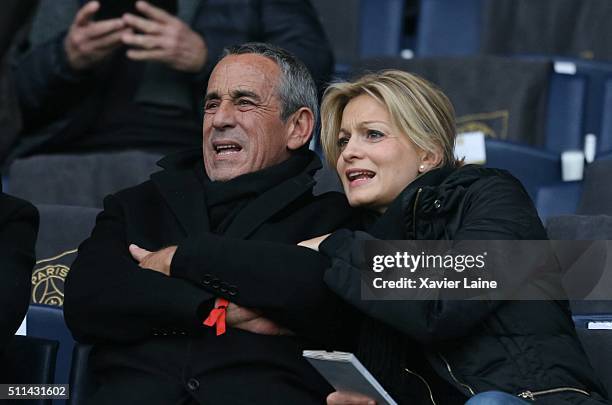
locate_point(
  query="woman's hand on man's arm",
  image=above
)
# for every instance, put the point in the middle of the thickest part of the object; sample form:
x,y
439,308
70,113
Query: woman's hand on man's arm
x,y
348,398
314,242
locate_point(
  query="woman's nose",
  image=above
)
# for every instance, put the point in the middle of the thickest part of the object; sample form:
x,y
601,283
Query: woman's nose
x,y
352,150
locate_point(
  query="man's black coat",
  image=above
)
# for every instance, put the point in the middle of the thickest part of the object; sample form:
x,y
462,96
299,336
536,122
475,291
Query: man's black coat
x,y
150,345
18,229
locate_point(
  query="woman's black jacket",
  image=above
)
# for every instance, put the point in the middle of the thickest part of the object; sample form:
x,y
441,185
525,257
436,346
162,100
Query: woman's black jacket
x,y
474,346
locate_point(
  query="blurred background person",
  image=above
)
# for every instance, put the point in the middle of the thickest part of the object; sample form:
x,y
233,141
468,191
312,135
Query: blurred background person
x,y
135,80
14,17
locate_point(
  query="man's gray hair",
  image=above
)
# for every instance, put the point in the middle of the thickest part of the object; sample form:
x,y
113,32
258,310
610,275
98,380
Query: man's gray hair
x,y
296,87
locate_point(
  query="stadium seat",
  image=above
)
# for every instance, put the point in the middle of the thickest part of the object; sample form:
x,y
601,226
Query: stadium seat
x,y
532,166
597,194
574,29
62,229
605,136
29,360
513,27
593,315
448,28
80,180
368,28
381,27
598,101
81,382
598,347
344,38
565,114
580,99
527,99
47,322
558,199
504,98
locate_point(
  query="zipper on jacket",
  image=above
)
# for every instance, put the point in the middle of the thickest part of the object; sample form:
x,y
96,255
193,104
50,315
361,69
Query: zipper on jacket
x,y
450,371
532,394
426,384
414,208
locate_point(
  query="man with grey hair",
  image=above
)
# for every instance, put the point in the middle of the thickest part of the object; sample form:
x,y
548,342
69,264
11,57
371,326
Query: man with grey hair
x,y
208,237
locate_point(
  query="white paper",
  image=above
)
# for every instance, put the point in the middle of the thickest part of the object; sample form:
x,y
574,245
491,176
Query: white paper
x,y
565,68
471,146
599,325
346,373
22,328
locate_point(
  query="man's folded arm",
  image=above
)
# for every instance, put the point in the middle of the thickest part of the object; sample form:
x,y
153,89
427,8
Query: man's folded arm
x,y
109,298
284,281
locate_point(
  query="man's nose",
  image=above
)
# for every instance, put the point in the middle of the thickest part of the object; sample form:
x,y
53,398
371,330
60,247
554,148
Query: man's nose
x,y
225,116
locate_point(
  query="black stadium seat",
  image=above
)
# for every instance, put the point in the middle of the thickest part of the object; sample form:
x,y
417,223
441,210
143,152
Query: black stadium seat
x,y
81,380
29,360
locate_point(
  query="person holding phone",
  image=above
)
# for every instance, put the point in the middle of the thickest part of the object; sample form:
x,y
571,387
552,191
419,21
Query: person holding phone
x,y
154,35
131,78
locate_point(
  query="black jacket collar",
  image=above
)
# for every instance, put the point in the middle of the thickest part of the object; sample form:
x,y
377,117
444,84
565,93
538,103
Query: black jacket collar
x,y
184,194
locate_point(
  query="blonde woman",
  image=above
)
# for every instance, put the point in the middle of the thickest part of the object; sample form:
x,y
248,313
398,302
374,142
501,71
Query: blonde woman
x,y
391,136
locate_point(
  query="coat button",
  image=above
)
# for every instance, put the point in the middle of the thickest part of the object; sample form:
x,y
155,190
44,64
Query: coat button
x,y
193,384
232,290
206,279
437,204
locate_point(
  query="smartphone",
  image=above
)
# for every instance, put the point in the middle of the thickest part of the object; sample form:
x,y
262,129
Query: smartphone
x,y
116,8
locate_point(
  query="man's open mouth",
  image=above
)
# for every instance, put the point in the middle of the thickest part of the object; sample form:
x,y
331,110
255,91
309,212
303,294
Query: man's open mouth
x,y
226,148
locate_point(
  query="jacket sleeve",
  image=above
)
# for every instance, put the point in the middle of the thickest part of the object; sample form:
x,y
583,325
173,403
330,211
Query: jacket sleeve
x,y
45,83
284,281
18,230
501,210
109,298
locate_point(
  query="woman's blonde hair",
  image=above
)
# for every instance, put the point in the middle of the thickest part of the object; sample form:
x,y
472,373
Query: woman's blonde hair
x,y
417,108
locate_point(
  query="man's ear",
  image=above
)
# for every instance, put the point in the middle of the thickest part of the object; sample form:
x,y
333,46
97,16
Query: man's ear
x,y
300,128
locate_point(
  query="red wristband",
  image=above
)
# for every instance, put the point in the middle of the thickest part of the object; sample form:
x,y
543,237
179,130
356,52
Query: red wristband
x,y
217,316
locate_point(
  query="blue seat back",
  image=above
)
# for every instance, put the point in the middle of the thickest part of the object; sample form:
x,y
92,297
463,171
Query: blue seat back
x,y
448,28
566,101
558,199
44,321
381,27
605,138
368,28
534,167
81,381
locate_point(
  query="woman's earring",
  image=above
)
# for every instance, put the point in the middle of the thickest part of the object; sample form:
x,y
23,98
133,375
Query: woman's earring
x,y
422,168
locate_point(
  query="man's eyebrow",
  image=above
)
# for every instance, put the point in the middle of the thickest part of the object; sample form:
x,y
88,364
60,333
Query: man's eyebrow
x,y
236,94
211,96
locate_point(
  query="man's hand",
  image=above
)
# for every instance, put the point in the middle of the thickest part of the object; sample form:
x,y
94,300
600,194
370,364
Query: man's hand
x,y
348,398
89,42
314,242
159,261
252,321
164,38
